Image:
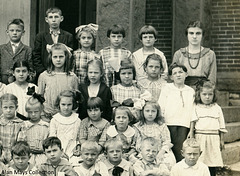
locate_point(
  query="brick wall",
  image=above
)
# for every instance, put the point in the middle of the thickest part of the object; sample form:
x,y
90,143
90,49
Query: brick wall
x,y
226,34
159,15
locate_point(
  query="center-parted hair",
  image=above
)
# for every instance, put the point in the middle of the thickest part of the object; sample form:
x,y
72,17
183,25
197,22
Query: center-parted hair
x,y
20,148
95,102
9,97
16,21
147,29
123,108
71,94
198,24
190,142
175,65
54,10
116,29
199,88
51,141
155,57
22,63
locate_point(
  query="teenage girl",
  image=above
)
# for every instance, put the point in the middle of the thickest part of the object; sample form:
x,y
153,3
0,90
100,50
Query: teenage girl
x,y
86,36
208,126
94,86
56,78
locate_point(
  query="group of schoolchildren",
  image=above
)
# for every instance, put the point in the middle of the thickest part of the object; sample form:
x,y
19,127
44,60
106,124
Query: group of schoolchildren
x,y
111,113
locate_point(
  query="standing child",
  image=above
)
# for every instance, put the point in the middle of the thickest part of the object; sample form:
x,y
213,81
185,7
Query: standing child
x,y
54,35
19,87
66,125
208,126
94,86
86,36
35,130
122,116
14,50
190,165
147,36
152,124
113,54
57,78
154,82
176,102
10,125
116,165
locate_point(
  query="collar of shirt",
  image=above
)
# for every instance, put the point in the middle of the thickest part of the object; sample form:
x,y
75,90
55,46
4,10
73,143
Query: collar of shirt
x,y
185,166
154,163
15,44
4,121
55,33
112,131
40,123
123,164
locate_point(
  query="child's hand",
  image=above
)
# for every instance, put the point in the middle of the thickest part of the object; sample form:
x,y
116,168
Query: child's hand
x,y
191,135
222,146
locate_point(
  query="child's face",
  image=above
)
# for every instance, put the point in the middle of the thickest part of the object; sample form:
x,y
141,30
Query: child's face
x,y
54,154
94,74
15,32
149,152
148,40
178,76
153,69
58,59
21,74
21,162
54,20
150,113
34,113
86,40
194,35
66,106
206,96
121,120
8,109
114,154
94,114
116,40
89,157
191,155
126,77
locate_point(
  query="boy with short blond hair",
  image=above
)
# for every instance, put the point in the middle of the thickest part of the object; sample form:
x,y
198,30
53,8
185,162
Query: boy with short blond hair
x,y
14,50
190,164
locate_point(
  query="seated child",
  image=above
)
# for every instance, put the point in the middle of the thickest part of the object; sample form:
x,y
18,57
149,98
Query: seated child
x,y
3,167
116,165
55,165
148,165
20,157
89,166
190,164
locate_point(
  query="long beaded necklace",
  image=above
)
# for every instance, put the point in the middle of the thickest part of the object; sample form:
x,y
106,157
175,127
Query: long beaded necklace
x,y
189,57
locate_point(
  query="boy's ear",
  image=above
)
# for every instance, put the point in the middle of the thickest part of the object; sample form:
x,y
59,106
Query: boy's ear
x,y
62,18
182,153
46,19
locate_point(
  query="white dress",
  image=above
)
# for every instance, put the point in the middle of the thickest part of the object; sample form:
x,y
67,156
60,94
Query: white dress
x,y
67,130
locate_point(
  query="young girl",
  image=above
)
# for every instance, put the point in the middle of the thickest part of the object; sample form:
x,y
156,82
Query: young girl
x,y
10,125
94,86
86,36
121,130
20,86
66,125
151,124
208,123
154,82
57,78
35,130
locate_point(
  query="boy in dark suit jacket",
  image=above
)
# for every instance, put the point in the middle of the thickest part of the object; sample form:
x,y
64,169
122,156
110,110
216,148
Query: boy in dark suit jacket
x,y
14,50
54,35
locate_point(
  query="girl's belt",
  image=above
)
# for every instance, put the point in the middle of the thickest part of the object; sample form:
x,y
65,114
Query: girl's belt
x,y
207,132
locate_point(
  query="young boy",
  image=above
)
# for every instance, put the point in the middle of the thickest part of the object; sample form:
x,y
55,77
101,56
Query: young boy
x,y
54,35
20,157
89,166
147,36
14,50
55,165
190,164
176,102
148,164
113,54
116,165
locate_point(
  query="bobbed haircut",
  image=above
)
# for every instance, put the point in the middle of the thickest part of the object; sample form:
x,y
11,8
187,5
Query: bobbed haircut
x,y
126,63
123,108
175,65
54,10
51,141
155,57
116,29
20,148
9,97
16,21
159,118
113,142
147,29
190,142
68,61
95,102
199,89
67,93
198,24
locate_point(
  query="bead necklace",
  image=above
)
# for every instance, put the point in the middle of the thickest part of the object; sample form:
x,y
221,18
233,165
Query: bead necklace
x,y
189,57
